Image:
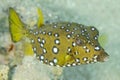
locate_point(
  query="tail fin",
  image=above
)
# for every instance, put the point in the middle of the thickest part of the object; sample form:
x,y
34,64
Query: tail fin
x,y
17,27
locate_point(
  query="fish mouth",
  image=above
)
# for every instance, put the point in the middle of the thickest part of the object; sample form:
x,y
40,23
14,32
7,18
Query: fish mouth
x,y
103,56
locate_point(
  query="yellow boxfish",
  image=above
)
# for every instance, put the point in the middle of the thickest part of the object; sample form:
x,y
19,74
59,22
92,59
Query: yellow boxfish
x,y
60,43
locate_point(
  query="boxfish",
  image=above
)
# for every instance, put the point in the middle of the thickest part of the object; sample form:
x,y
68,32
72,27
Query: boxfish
x,y
61,44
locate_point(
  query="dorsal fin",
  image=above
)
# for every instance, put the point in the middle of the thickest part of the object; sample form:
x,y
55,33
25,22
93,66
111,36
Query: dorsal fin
x,y
40,18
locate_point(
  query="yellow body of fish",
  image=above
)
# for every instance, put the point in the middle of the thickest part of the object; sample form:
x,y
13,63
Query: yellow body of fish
x,y
59,44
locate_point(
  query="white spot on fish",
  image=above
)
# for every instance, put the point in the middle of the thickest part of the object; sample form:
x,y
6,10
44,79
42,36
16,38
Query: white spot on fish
x,y
46,60
51,63
78,35
32,41
31,31
68,65
44,50
73,64
85,47
97,48
82,34
68,24
62,27
43,32
85,29
84,59
72,32
69,49
77,60
68,36
56,35
40,31
50,33
87,62
82,30
75,28
57,41
87,50
54,26
55,60
92,28
76,52
38,39
73,44
36,32
55,50
95,37
95,57
41,45
95,60
67,30
43,41
34,49
41,57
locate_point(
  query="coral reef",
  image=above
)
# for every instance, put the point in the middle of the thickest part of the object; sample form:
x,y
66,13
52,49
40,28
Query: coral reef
x,y
4,72
32,69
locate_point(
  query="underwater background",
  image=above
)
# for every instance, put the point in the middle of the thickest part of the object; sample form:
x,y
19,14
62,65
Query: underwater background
x,y
104,15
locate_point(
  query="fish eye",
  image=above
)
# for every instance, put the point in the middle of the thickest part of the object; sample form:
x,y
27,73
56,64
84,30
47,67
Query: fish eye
x,y
79,41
